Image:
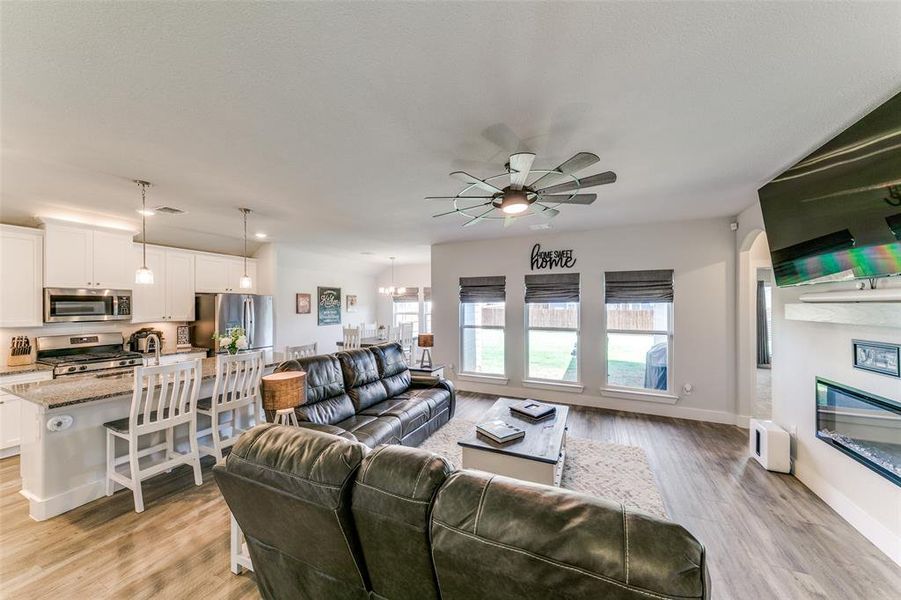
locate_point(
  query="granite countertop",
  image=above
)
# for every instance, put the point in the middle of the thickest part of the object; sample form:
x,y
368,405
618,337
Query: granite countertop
x,y
79,389
7,370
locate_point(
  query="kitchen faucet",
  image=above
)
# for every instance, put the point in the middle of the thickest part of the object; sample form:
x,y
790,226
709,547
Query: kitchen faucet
x,y
153,340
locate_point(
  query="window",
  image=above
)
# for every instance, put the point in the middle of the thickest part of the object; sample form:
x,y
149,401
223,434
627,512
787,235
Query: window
x,y
552,327
406,309
427,309
482,321
639,329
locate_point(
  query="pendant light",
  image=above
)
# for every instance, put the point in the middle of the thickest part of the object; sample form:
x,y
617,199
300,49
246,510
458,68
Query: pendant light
x,y
143,276
391,290
245,283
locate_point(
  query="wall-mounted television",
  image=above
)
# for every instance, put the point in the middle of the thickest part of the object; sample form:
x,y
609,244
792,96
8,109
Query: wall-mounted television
x,y
836,215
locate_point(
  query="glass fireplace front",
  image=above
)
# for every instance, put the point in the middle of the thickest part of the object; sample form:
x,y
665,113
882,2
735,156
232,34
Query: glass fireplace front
x,y
864,426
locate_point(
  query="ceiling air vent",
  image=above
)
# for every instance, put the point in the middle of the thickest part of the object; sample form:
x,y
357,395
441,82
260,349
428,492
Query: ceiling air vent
x,y
169,210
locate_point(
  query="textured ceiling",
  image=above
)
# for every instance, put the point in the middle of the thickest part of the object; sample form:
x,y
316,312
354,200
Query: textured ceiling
x,y
332,120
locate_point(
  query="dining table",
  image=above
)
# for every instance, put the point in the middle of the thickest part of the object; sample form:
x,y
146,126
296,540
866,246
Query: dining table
x,y
365,342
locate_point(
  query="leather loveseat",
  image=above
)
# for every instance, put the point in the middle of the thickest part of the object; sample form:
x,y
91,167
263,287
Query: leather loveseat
x,y
369,395
326,517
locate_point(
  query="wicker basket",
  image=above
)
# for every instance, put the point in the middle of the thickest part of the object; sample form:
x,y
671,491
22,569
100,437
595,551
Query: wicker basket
x,y
284,390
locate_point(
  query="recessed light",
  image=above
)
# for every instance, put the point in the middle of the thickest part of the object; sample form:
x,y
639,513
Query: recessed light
x,y
367,253
260,234
147,213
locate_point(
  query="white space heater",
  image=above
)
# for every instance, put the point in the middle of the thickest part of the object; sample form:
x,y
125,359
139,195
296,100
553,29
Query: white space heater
x,y
770,445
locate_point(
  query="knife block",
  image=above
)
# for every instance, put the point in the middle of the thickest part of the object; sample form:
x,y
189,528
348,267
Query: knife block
x,y
18,361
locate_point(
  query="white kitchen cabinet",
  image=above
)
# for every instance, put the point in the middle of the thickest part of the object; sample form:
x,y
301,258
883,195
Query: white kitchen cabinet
x,y
179,285
21,271
78,256
219,274
111,255
171,295
11,411
68,260
148,302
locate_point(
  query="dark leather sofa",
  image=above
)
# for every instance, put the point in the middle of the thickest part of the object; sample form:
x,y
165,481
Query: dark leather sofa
x,y
327,517
369,395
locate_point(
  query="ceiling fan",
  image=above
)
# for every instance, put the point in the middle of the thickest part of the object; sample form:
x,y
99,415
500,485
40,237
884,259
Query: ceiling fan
x,y
529,191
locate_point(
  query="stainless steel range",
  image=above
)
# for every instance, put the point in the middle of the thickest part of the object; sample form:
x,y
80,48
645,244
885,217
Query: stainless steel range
x,y
83,353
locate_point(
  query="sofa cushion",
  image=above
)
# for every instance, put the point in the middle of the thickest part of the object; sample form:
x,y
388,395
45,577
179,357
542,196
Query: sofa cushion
x,y
412,412
328,411
504,538
324,378
391,503
392,368
437,399
289,490
361,378
332,429
373,431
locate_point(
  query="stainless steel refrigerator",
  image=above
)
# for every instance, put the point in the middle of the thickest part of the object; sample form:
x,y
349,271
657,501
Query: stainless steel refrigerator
x,y
220,313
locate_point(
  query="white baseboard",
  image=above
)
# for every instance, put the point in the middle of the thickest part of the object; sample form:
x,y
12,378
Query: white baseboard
x,y
627,405
41,509
870,528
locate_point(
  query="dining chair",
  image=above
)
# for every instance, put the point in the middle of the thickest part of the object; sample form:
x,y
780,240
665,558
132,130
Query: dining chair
x,y
292,352
237,387
369,330
406,340
164,397
351,338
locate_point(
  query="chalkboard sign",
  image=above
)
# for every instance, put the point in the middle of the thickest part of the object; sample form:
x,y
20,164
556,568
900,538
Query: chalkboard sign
x,y
329,303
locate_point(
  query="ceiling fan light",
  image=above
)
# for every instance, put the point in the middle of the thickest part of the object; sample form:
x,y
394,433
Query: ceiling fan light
x,y
514,208
514,202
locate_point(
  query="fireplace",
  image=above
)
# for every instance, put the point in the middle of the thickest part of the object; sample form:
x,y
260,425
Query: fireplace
x,y
864,426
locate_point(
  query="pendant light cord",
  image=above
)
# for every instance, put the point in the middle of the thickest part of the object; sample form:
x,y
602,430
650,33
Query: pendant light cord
x,y
245,241
144,223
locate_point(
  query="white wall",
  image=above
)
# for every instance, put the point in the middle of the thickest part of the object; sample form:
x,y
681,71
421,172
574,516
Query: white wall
x,y
301,272
702,254
804,350
415,275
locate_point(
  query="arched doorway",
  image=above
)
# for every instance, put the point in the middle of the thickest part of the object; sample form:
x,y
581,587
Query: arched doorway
x,y
755,326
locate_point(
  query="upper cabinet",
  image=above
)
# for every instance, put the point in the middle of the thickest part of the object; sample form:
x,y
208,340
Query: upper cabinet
x,y
171,295
77,256
21,297
219,274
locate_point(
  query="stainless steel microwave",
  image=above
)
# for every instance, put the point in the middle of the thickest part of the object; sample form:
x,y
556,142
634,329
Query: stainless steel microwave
x,y
62,305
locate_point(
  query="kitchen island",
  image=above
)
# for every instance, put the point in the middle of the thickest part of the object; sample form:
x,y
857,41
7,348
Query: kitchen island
x,y
63,440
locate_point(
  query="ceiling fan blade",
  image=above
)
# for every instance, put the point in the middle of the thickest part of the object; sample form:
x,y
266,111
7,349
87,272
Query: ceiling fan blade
x,y
456,210
545,212
570,199
482,185
578,162
585,182
508,220
520,165
477,219
458,197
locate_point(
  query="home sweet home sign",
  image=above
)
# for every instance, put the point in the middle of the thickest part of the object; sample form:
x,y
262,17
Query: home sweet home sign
x,y
552,259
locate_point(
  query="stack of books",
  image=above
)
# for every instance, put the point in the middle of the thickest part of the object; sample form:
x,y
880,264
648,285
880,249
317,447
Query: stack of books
x,y
499,431
533,411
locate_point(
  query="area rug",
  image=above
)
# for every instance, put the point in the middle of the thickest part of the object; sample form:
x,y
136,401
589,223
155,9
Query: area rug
x,y
612,471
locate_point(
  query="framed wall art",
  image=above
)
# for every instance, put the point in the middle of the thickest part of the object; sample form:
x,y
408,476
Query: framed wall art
x,y
877,357
329,305
351,303
303,303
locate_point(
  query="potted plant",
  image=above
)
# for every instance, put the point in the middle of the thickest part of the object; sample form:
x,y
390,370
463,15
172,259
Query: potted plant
x,y
232,340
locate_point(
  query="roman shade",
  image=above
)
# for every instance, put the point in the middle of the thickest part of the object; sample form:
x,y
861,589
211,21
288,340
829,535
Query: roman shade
x,y
409,295
426,294
552,287
639,286
483,289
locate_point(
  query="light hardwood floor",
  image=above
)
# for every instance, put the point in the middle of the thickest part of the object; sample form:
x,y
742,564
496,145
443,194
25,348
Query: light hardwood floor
x,y
767,535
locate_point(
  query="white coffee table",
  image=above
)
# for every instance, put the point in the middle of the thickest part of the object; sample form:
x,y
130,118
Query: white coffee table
x,y
537,457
